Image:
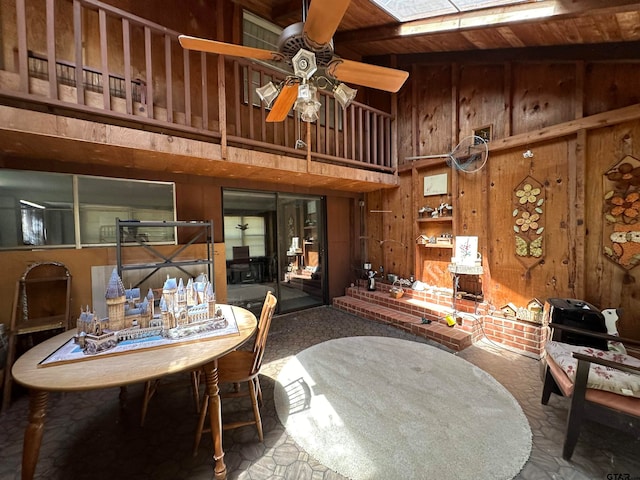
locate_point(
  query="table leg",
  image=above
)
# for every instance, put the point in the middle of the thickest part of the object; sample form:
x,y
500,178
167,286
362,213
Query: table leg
x,y
215,417
33,433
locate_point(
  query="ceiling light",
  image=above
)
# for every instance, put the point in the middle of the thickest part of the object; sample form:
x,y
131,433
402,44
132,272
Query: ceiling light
x,y
344,94
307,103
32,204
267,93
304,64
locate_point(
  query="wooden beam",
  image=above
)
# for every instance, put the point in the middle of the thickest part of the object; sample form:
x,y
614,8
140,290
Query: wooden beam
x,y
604,119
612,52
577,156
489,18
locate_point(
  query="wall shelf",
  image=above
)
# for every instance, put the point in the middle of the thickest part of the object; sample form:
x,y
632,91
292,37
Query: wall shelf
x,y
436,219
437,245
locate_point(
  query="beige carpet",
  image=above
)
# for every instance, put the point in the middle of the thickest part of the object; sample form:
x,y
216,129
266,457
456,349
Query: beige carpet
x,y
384,408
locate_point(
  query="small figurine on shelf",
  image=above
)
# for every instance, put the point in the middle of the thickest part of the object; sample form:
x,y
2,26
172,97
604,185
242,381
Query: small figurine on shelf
x,y
371,282
445,210
425,212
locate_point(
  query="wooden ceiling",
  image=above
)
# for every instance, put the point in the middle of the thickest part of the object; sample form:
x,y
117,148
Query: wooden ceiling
x,y
367,31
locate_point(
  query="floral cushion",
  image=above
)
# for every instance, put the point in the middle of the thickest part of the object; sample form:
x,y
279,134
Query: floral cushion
x,y
600,377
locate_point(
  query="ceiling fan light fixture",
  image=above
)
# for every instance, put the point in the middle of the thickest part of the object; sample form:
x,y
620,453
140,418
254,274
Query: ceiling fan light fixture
x,y
304,64
344,94
307,103
309,111
267,93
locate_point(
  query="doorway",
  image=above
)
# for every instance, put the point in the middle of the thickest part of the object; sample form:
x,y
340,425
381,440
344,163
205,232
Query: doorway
x,y
274,241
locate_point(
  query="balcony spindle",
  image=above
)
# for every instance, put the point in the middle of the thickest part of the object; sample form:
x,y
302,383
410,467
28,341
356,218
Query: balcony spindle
x,y
51,50
149,71
187,87
203,91
77,38
168,77
104,59
126,46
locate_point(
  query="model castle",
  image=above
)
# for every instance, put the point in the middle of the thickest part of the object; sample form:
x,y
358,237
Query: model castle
x,y
183,311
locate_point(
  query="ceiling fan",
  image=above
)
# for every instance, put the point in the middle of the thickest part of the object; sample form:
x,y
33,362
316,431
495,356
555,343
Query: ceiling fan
x,y
307,48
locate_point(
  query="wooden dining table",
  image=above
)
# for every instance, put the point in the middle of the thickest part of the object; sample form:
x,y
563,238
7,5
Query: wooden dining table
x,y
119,371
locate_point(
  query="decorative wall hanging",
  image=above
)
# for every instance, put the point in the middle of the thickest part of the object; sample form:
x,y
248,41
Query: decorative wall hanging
x,y
621,211
528,221
436,184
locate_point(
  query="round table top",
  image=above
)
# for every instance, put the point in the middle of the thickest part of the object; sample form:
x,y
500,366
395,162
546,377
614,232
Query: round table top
x,y
125,368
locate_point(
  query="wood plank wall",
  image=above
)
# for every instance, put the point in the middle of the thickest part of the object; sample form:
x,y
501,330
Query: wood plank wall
x,y
446,102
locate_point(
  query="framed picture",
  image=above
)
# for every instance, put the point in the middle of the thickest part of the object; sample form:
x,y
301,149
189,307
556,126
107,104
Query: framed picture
x,y
466,250
436,184
484,132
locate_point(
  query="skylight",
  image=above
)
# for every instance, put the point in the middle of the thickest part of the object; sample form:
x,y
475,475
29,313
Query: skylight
x,y
408,10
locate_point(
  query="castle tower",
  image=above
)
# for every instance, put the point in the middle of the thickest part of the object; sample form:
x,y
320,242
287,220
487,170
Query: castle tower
x,y
144,313
181,295
115,297
192,294
164,314
152,300
168,293
210,298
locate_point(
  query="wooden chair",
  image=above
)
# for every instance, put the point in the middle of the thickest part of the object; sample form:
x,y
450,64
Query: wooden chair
x,y
609,399
242,366
41,303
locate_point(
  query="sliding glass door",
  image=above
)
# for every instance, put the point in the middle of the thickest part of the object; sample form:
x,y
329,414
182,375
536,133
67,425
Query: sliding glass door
x,y
301,251
274,242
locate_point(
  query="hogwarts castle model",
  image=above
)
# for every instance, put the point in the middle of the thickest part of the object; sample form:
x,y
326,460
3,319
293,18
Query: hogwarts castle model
x,y
183,311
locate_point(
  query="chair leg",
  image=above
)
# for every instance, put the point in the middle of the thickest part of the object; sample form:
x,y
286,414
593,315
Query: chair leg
x,y
576,410
195,388
256,409
8,379
548,387
150,388
201,419
259,390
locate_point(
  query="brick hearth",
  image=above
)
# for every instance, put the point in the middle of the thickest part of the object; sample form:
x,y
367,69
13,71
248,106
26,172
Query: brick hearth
x,y
474,320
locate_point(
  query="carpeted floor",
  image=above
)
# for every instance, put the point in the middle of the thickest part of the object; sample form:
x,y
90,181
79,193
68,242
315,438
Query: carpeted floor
x,y
435,415
87,436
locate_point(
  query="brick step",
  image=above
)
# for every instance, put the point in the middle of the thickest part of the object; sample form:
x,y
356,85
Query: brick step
x,y
406,304
452,337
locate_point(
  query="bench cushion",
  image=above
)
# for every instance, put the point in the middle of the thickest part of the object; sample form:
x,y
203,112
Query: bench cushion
x,y
600,377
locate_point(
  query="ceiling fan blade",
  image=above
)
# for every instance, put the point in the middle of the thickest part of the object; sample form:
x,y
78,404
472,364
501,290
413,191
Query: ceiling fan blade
x,y
374,76
222,48
323,20
283,103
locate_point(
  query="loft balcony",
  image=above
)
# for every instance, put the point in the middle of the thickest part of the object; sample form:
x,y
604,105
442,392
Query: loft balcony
x,y
85,82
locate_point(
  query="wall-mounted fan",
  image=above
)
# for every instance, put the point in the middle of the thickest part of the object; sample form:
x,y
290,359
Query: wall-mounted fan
x,y
307,48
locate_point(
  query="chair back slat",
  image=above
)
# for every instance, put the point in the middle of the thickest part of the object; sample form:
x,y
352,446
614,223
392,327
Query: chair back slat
x,y
268,308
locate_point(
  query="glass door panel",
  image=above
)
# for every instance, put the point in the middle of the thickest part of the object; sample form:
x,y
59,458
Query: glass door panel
x,y
301,250
274,242
250,247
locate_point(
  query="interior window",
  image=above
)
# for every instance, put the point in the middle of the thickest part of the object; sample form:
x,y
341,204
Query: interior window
x,y
38,208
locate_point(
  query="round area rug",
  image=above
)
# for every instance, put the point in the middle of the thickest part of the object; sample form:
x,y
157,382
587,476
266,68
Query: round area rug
x,y
384,408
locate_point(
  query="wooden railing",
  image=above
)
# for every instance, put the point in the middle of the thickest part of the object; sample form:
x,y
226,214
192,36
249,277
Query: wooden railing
x,y
191,92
